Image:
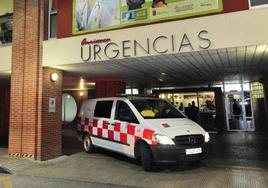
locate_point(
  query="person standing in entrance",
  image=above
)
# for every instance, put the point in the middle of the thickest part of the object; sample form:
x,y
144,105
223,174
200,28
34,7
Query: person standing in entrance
x,y
187,110
181,107
194,112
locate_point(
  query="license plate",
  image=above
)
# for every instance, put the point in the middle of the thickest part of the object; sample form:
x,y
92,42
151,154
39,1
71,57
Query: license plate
x,y
193,151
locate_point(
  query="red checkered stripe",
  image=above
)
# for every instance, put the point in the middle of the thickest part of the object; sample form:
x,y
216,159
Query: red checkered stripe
x,y
118,133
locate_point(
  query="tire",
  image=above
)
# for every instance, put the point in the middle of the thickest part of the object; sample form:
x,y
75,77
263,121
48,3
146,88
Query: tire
x,y
87,144
146,157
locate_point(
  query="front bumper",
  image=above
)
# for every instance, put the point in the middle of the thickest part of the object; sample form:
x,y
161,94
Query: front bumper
x,y
177,153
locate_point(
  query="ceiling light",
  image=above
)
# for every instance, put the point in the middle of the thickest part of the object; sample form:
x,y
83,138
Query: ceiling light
x,y
163,73
261,49
82,84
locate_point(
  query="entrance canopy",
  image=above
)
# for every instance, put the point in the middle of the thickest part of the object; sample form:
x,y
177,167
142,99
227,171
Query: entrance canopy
x,y
181,69
190,68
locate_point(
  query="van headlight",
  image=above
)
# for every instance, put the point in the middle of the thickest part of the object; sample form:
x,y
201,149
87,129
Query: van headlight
x,y
162,139
207,138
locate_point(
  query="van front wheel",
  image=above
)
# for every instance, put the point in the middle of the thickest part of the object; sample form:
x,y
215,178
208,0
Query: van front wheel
x,y
87,143
146,157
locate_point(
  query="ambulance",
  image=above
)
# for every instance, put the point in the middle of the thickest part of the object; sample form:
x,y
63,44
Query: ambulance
x,y
146,128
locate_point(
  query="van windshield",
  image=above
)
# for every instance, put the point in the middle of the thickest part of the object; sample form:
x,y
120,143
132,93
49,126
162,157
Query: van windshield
x,y
156,109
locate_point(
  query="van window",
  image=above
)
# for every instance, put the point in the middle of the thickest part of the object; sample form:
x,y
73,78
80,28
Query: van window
x,y
156,109
103,109
124,113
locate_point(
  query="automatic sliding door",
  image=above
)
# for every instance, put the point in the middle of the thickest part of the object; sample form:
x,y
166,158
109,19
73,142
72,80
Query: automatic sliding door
x,y
234,112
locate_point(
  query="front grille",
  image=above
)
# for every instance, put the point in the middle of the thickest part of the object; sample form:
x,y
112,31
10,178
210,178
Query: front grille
x,y
189,140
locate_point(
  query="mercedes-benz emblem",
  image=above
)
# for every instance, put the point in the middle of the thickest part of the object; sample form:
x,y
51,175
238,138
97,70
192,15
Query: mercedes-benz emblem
x,y
192,140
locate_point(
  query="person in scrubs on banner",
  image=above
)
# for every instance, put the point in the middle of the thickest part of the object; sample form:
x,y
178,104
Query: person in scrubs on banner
x,y
104,13
82,14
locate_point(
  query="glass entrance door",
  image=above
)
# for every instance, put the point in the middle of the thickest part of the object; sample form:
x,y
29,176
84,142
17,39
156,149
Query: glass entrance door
x,y
249,115
239,111
234,111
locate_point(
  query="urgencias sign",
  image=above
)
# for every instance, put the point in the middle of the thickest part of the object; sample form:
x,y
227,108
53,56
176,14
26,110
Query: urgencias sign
x,y
103,49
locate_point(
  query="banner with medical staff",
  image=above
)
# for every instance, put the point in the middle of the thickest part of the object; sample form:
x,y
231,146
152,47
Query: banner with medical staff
x,y
97,15
6,7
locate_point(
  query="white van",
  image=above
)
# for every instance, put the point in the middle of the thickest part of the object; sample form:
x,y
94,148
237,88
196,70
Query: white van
x,y
145,128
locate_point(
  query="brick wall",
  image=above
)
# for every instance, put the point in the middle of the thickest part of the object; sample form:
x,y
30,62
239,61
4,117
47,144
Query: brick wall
x,y
26,82
30,134
51,140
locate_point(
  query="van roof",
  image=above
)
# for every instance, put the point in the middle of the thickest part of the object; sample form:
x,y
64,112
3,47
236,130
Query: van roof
x,y
139,97
129,97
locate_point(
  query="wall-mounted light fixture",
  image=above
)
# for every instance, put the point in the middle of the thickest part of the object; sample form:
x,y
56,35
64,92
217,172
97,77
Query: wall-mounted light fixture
x,y
54,77
81,93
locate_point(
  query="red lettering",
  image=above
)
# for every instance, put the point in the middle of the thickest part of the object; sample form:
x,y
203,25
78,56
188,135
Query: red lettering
x,y
84,42
95,41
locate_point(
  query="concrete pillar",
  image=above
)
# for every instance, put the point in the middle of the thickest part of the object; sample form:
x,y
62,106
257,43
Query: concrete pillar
x,y
30,133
